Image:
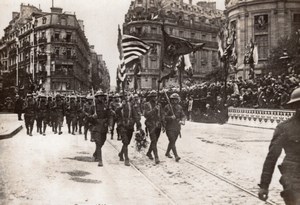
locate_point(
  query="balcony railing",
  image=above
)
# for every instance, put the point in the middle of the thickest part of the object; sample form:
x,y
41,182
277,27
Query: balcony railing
x,y
42,40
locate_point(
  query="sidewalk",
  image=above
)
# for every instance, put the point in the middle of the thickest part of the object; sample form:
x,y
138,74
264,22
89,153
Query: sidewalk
x,y
9,125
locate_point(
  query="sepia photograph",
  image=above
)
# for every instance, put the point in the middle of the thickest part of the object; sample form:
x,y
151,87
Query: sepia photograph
x,y
150,102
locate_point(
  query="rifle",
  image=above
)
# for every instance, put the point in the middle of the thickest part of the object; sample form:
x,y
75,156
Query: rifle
x,y
94,101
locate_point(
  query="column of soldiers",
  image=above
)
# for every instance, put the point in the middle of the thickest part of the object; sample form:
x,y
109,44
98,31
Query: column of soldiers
x,y
100,114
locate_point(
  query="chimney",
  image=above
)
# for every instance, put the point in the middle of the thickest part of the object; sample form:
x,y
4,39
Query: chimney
x,y
15,14
56,10
80,22
191,2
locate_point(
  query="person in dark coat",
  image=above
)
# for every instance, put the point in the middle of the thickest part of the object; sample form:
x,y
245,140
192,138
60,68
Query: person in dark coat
x,y
29,108
286,137
18,107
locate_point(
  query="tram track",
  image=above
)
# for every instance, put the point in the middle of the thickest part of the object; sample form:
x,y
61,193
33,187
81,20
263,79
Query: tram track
x,y
222,178
157,188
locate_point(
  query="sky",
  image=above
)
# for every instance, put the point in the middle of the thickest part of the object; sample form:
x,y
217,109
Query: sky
x,y
101,19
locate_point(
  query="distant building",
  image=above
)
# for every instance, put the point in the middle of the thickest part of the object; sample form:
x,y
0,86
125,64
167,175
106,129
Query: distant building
x,y
263,21
198,23
49,49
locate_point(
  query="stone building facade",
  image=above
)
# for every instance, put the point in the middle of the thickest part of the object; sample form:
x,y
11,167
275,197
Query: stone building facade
x,y
49,49
263,21
198,22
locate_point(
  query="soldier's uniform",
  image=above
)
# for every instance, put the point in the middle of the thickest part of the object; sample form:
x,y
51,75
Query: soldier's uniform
x,y
58,115
114,105
286,137
29,108
71,115
80,113
173,124
87,111
99,126
42,114
127,115
153,116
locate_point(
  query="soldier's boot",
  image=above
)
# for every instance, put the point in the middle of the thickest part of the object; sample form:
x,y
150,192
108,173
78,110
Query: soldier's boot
x,y
80,132
126,156
85,133
177,158
121,154
149,155
112,135
44,130
69,128
30,132
99,154
73,130
155,154
59,130
168,151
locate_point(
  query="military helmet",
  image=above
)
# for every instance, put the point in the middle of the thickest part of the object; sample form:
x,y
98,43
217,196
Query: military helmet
x,y
29,95
58,95
116,95
152,94
175,96
295,96
100,93
89,97
42,95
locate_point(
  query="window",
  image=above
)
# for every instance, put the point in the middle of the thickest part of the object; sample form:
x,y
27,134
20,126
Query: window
x,y
69,53
57,51
56,36
138,30
63,21
261,22
262,46
193,35
68,37
203,36
297,18
43,34
44,20
153,30
171,31
181,33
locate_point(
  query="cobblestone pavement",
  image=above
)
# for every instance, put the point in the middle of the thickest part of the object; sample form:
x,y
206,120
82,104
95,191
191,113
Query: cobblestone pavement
x,y
59,169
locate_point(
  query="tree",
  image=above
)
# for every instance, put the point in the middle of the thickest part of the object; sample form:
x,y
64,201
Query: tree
x,y
278,65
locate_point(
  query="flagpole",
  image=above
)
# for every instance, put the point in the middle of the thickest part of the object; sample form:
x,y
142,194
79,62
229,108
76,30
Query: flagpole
x,y
162,53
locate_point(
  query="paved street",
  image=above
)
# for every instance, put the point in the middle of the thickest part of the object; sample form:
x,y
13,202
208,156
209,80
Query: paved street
x,y
221,164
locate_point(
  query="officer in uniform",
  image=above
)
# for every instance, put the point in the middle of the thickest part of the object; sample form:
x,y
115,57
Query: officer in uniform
x,y
286,137
29,109
99,126
127,115
152,113
42,114
114,105
174,117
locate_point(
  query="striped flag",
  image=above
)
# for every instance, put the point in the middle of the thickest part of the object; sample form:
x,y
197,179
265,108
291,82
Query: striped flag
x,y
133,48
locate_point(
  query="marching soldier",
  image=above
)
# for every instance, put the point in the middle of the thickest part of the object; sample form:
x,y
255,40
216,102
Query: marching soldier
x,y
286,137
42,114
59,112
71,114
152,113
80,113
127,115
175,117
99,126
114,105
29,108
88,111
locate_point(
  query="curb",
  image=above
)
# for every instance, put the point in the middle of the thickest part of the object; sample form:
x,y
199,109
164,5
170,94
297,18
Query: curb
x,y
10,135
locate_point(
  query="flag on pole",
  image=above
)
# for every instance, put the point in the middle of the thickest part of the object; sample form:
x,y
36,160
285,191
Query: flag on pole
x,y
174,47
133,48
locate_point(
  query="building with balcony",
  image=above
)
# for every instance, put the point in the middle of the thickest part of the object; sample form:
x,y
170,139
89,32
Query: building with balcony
x,y
198,23
46,49
263,21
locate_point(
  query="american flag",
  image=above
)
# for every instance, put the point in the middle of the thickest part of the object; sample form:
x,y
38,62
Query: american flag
x,y
133,48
